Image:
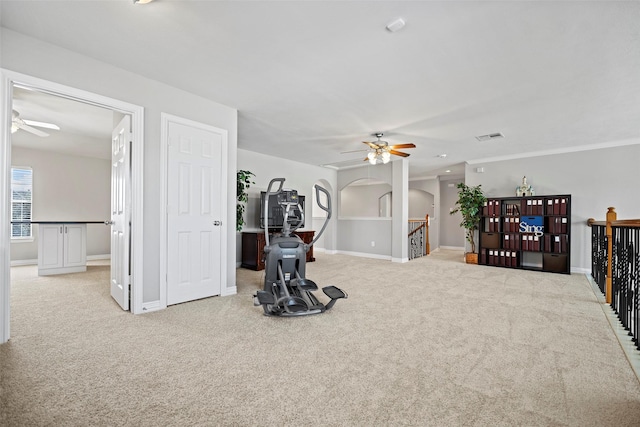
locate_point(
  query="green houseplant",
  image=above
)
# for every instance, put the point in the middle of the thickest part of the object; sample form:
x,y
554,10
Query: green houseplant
x,y
243,183
470,202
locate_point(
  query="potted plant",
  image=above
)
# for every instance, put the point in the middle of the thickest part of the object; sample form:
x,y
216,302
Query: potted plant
x,y
470,202
243,183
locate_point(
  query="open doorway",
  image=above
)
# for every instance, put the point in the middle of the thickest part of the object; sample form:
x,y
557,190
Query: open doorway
x,y
65,151
19,92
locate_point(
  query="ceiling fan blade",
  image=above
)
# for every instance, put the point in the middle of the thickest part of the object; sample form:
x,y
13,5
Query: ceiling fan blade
x,y
352,151
399,153
371,144
403,146
34,131
41,124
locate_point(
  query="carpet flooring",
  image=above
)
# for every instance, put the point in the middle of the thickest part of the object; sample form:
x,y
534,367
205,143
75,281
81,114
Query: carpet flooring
x,y
431,342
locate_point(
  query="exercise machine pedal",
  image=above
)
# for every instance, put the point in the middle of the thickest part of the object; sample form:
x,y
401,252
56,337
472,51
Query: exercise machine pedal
x,y
264,297
304,284
335,294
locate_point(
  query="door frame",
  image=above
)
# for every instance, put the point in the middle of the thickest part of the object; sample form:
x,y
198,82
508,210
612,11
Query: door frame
x,y
8,80
165,120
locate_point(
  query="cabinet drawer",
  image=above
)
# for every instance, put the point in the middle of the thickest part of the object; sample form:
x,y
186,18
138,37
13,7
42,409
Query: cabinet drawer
x,y
490,240
555,263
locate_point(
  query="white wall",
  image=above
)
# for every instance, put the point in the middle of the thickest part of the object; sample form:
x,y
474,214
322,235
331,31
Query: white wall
x,y
451,234
356,235
66,188
360,199
596,179
64,67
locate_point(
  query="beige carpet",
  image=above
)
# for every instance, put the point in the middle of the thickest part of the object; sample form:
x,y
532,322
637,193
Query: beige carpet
x,y
432,342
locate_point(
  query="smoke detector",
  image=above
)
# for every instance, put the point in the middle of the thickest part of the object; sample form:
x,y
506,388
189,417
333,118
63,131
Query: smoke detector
x,y
395,25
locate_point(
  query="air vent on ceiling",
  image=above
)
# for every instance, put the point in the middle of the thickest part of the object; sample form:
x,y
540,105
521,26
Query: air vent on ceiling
x,y
489,137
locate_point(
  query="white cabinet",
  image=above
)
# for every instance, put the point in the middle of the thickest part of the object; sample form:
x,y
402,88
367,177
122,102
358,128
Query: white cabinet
x,y
62,248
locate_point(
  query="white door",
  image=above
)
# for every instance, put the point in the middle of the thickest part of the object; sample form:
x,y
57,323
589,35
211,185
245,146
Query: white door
x,y
195,194
120,211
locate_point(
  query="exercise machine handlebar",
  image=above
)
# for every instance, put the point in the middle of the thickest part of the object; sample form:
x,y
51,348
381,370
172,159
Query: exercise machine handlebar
x,y
266,205
326,208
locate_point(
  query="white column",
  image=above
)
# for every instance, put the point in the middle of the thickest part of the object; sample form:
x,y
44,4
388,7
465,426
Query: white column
x,y
400,209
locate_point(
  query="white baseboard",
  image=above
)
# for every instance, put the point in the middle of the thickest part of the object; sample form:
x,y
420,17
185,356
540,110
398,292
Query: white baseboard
x,y
364,255
400,260
19,262
581,270
148,307
454,248
225,292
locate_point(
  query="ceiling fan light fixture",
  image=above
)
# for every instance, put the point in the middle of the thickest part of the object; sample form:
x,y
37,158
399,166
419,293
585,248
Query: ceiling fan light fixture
x,y
386,156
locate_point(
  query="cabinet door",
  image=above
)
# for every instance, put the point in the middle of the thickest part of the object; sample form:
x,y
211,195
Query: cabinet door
x,y
50,246
75,251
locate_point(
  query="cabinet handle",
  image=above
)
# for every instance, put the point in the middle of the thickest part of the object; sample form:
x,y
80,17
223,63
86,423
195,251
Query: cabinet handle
x,y
60,229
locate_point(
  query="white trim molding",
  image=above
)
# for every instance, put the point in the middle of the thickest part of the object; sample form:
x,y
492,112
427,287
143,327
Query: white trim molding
x,y
9,80
165,120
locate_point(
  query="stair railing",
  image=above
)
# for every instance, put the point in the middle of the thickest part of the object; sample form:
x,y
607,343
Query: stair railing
x,y
419,238
615,267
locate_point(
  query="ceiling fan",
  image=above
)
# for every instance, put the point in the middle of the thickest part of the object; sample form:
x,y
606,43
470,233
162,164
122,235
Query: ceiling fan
x,y
18,123
380,151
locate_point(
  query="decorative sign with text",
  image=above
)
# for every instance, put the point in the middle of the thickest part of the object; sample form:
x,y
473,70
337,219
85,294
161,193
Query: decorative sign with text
x,y
532,224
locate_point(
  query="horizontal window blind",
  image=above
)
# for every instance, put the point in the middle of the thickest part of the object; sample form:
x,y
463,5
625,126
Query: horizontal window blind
x,y
21,200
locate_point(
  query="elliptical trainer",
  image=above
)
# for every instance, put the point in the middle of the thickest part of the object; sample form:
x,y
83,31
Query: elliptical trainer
x,y
286,291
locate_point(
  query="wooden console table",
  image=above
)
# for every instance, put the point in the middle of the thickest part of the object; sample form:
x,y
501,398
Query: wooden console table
x,y
253,248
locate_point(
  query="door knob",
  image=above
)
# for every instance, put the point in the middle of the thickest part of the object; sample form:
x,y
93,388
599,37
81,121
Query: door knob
x,y
217,223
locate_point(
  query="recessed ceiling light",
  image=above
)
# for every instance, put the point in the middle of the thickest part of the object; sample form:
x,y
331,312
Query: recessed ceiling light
x,y
142,1
442,156
448,171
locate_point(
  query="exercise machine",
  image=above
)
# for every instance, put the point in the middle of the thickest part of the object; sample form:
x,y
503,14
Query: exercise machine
x,y
287,292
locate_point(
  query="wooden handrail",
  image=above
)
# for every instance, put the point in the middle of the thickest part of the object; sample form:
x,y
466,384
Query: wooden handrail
x,y
626,223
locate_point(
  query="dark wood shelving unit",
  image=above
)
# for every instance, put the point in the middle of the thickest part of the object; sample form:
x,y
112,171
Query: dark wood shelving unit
x,y
531,233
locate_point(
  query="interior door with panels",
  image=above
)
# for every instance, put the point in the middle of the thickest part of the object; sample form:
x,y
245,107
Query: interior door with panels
x,y
195,200
120,211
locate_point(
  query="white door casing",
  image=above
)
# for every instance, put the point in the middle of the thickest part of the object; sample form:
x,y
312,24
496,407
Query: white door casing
x,y
120,211
195,209
8,80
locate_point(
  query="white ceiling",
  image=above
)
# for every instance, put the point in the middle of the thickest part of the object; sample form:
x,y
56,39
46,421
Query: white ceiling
x,y
313,79
85,130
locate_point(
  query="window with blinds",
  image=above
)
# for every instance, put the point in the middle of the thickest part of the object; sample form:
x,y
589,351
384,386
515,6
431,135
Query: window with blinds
x,y
21,199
